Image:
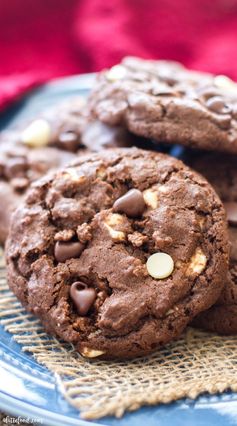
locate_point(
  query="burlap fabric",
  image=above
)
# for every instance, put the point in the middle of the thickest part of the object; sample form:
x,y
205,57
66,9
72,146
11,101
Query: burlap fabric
x,y
198,362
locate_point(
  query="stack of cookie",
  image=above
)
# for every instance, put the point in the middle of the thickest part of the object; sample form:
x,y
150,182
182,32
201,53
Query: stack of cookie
x,y
118,251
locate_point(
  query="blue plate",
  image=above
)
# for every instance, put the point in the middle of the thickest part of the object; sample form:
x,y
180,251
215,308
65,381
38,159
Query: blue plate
x,y
28,389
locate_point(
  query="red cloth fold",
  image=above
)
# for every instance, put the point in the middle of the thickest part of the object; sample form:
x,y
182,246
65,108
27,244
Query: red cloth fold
x,y
44,39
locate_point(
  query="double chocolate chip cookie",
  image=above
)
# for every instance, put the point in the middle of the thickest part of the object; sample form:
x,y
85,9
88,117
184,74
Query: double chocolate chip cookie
x,y
47,142
165,101
31,149
118,252
221,171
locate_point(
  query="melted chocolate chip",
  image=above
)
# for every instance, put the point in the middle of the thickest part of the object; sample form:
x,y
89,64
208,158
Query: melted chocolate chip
x,y
132,203
67,250
83,297
231,212
218,105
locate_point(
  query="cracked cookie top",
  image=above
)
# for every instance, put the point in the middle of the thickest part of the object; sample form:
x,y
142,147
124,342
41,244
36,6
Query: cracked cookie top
x,y
167,102
119,251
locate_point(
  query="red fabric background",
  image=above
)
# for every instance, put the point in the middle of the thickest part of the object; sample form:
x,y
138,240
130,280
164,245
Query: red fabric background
x,y
43,39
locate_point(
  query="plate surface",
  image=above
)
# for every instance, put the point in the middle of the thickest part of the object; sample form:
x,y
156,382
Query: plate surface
x,y
28,389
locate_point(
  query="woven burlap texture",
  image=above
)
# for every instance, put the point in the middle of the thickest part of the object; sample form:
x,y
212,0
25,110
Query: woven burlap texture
x,y
198,362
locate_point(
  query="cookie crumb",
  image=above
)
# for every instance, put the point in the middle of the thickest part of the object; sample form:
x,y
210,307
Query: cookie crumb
x,y
137,239
84,232
64,235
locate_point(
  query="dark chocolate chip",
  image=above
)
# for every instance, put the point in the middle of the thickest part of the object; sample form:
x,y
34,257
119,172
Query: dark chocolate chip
x,y
69,140
231,212
83,297
132,203
15,167
20,183
67,250
218,105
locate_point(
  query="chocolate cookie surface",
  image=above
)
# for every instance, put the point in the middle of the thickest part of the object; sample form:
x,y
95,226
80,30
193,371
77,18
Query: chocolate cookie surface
x,y
221,171
119,251
166,102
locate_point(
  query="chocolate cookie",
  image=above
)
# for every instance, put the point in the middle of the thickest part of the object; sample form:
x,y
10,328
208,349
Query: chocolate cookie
x,y
221,171
72,128
68,127
119,251
18,168
31,149
50,141
167,102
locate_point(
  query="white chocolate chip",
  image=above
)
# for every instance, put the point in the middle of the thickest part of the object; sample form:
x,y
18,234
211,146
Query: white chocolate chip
x,y
116,73
163,189
150,198
37,134
112,220
201,222
101,173
91,353
169,312
198,262
73,175
160,265
115,235
172,311
94,334
225,83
